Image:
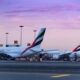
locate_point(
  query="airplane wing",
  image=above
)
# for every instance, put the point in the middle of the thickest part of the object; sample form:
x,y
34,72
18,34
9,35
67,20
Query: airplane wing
x,y
36,52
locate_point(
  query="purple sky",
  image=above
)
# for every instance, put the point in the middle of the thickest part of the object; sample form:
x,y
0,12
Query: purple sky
x,y
60,17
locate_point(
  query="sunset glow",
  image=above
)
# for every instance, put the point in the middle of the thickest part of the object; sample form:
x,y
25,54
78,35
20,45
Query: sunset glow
x,y
60,17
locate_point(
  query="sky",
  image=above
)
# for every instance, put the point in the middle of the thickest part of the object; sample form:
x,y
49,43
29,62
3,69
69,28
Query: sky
x,y
60,17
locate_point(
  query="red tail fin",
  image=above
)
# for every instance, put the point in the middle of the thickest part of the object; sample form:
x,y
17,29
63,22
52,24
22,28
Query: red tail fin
x,y
76,49
37,41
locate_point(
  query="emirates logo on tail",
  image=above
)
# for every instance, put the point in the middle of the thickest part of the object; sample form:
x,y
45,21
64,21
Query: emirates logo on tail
x,y
77,49
37,41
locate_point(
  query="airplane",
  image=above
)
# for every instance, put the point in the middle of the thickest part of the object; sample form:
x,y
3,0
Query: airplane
x,y
61,55
15,52
75,51
54,54
69,54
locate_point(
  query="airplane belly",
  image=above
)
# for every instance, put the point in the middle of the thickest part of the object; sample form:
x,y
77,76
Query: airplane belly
x,y
13,54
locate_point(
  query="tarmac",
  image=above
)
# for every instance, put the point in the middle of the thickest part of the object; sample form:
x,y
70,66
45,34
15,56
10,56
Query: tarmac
x,y
37,76
41,67
47,70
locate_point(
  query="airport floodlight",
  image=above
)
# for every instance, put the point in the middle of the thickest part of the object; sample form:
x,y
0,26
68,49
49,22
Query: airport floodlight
x,y
21,35
6,38
34,33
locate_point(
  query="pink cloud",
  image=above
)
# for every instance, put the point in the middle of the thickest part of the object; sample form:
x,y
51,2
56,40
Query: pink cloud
x,y
55,8
15,19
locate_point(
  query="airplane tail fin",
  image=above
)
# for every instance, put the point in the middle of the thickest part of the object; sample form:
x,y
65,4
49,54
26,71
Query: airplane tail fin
x,y
37,41
39,38
76,49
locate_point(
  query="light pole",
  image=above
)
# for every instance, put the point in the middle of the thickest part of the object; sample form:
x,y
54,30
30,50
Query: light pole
x,y
34,33
6,38
21,35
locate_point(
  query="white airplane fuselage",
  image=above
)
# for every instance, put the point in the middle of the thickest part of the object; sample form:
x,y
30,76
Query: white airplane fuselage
x,y
72,55
16,51
55,54
24,51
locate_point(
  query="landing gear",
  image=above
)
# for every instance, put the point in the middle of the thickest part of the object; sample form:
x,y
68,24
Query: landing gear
x,y
4,57
64,57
